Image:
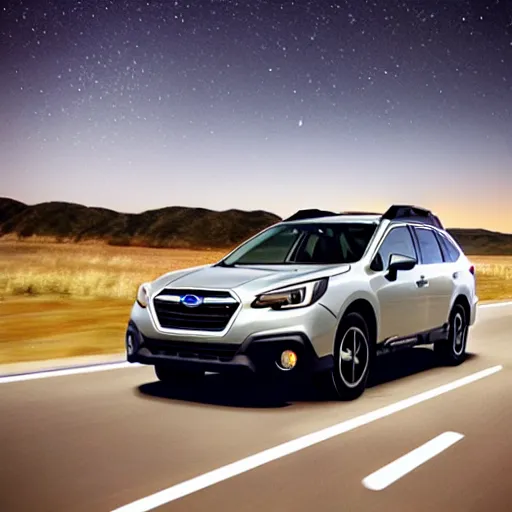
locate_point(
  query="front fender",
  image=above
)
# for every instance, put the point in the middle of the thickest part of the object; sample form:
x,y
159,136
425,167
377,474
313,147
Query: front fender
x,y
361,295
342,293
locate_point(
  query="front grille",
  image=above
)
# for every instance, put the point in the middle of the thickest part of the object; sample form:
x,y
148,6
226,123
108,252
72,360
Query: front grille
x,y
213,314
192,350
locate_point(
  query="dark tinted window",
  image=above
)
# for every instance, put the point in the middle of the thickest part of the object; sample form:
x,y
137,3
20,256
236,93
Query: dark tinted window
x,y
397,241
313,243
272,249
430,250
451,253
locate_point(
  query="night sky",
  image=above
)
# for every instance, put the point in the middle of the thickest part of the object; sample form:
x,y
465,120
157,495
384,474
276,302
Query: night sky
x,y
270,105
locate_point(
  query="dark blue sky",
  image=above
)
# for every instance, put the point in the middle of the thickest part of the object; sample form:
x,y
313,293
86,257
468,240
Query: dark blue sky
x,y
260,105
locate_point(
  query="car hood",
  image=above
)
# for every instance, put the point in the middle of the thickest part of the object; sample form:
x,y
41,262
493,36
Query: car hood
x,y
252,279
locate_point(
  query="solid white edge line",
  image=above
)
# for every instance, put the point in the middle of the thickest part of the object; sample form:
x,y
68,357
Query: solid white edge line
x,y
495,304
66,371
259,459
395,470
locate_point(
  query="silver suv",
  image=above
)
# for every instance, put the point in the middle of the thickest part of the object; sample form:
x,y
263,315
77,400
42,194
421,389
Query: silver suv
x,y
319,292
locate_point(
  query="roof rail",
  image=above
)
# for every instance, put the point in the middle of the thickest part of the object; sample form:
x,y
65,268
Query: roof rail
x,y
358,212
412,213
312,213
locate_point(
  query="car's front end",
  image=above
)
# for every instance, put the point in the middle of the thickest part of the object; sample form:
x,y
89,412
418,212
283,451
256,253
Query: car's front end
x,y
187,326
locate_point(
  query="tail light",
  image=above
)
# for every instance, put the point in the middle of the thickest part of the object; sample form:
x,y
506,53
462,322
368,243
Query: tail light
x,y
472,269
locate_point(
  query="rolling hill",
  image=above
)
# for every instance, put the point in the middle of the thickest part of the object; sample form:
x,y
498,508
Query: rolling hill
x,y
176,226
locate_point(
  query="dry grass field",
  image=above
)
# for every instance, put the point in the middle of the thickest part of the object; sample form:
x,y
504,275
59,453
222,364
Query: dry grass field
x,y
61,300
494,277
87,270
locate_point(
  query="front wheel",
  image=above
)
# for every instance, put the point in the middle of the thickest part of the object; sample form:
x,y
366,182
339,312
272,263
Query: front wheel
x,y
453,350
352,357
173,376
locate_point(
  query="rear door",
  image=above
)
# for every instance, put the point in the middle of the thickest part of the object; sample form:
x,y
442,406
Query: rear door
x,y
402,303
436,277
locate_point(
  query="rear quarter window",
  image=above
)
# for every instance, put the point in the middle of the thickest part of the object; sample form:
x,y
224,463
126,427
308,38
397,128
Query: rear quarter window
x,y
451,253
429,246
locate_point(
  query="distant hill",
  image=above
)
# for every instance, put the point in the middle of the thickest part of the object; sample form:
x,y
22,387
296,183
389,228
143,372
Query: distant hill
x,y
175,226
482,242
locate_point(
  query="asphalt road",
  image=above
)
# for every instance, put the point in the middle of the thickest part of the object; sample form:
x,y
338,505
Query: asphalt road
x,y
102,441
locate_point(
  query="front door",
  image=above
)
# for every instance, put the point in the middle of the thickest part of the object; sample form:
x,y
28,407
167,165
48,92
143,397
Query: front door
x,y
403,304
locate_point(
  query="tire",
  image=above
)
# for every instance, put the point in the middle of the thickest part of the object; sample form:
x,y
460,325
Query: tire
x,y
349,373
452,351
173,376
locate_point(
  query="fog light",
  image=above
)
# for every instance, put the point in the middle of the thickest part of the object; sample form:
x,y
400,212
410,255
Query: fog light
x,y
288,360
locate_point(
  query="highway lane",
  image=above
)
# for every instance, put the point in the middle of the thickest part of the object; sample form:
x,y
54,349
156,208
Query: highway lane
x,y
99,441
473,475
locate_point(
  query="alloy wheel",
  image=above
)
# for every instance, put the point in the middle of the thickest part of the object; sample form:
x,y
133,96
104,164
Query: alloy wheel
x,y
460,332
354,357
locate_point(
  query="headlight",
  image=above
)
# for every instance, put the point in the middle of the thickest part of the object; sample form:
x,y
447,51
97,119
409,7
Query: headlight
x,y
143,295
296,296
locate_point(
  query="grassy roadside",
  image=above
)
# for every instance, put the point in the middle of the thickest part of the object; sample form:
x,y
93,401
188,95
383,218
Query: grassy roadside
x,y
38,328
64,300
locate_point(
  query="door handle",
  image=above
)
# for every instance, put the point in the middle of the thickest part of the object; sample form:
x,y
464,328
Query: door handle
x,y
422,283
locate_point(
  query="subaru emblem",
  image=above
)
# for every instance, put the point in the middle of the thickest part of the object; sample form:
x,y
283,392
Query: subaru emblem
x,y
191,301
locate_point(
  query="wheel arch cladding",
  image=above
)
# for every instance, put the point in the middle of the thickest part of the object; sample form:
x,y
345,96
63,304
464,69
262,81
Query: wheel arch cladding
x,y
464,302
365,309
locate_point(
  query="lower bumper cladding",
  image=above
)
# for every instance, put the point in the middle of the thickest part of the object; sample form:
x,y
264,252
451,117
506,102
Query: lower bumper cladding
x,y
256,354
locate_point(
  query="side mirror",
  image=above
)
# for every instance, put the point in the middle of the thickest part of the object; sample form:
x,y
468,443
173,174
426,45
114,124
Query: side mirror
x,y
398,262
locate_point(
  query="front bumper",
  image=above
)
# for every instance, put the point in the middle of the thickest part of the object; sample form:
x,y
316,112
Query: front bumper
x,y
257,354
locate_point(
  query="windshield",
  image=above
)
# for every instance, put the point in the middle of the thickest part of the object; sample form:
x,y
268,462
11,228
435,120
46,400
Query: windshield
x,y
329,243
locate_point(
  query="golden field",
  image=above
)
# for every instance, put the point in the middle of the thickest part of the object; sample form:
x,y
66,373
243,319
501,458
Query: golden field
x,y
61,300
64,300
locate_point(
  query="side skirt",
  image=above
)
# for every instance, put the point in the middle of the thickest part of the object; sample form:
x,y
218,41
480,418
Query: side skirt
x,y
423,338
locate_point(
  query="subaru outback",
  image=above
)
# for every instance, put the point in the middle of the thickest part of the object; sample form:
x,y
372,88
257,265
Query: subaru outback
x,y
318,293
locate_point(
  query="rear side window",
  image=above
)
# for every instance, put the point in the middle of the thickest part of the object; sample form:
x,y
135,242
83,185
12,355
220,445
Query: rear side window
x,y
451,253
397,241
429,246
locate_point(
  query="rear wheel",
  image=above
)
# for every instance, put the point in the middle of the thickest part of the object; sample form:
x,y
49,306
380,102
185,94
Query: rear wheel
x,y
353,353
173,376
453,350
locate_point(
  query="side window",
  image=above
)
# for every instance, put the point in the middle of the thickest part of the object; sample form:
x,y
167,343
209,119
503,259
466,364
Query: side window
x,y
306,249
429,247
397,241
451,253
312,240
